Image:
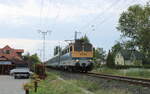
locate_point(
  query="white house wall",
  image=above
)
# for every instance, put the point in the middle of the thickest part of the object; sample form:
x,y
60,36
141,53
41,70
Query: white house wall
x,y
119,60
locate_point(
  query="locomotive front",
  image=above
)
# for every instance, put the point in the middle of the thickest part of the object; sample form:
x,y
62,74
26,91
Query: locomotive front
x,y
82,55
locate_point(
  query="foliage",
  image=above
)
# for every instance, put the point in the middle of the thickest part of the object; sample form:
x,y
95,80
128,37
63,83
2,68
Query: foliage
x,y
134,24
99,53
40,70
28,86
117,48
110,60
32,60
85,39
99,56
55,85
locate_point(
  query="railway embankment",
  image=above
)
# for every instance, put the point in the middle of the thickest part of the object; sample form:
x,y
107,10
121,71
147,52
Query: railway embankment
x,y
55,83
102,84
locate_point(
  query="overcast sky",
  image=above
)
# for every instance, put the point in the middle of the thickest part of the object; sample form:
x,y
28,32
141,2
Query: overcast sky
x,y
20,20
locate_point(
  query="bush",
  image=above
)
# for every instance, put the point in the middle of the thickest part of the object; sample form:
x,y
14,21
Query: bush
x,y
110,60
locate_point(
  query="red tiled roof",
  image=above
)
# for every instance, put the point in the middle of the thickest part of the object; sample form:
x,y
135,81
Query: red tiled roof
x,y
19,50
13,54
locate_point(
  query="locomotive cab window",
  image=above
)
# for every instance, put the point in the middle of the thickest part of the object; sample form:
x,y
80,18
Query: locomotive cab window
x,y
87,47
70,48
78,47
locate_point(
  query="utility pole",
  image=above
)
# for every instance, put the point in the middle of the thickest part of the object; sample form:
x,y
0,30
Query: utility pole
x,y
76,34
39,52
44,33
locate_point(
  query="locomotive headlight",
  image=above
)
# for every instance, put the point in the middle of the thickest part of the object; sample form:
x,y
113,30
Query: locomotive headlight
x,y
77,60
90,60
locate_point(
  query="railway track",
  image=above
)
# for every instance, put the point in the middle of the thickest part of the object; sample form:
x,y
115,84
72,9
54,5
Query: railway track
x,y
138,81
131,80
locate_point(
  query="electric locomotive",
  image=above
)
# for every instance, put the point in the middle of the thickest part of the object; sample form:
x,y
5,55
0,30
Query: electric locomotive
x,y
77,56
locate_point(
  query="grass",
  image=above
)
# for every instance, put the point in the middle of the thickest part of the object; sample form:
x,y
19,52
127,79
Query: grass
x,y
88,85
54,85
132,72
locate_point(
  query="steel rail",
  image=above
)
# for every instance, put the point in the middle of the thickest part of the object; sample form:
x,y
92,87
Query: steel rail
x,y
132,80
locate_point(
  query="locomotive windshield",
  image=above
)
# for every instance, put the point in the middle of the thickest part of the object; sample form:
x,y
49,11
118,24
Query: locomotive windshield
x,y
87,47
81,46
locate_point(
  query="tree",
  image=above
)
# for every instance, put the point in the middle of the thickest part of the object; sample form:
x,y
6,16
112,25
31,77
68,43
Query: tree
x,y
116,48
134,24
99,56
99,53
85,39
110,60
32,60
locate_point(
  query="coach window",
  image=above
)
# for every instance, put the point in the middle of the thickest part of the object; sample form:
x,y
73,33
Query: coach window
x,y
62,52
65,51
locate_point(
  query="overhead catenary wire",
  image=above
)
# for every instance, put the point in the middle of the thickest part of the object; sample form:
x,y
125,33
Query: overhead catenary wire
x,y
106,19
102,21
119,7
100,15
41,11
129,4
58,14
47,14
44,19
47,18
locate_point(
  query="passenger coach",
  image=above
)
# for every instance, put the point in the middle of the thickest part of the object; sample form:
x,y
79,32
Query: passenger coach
x,y
77,56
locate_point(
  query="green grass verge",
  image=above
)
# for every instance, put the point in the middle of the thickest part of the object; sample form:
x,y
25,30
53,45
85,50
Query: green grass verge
x,y
54,85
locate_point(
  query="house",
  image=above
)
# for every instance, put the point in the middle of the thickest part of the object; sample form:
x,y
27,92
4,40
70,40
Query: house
x,y
128,57
9,58
137,58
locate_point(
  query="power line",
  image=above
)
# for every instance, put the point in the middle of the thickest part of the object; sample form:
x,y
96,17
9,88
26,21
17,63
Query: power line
x,y
127,5
104,19
41,10
100,15
108,17
47,14
58,13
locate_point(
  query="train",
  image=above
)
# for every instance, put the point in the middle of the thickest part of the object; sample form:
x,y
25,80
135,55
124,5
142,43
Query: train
x,y
76,56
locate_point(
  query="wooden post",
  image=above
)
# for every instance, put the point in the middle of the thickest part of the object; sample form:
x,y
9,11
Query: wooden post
x,y
35,86
26,91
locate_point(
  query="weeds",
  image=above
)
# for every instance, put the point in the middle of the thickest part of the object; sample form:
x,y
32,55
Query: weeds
x,y
53,85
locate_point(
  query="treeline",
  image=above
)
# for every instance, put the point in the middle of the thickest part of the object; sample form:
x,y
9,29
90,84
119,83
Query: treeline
x,y
134,25
32,60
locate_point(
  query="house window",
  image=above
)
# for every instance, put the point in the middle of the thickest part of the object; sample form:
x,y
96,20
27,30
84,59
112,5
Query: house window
x,y
7,51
